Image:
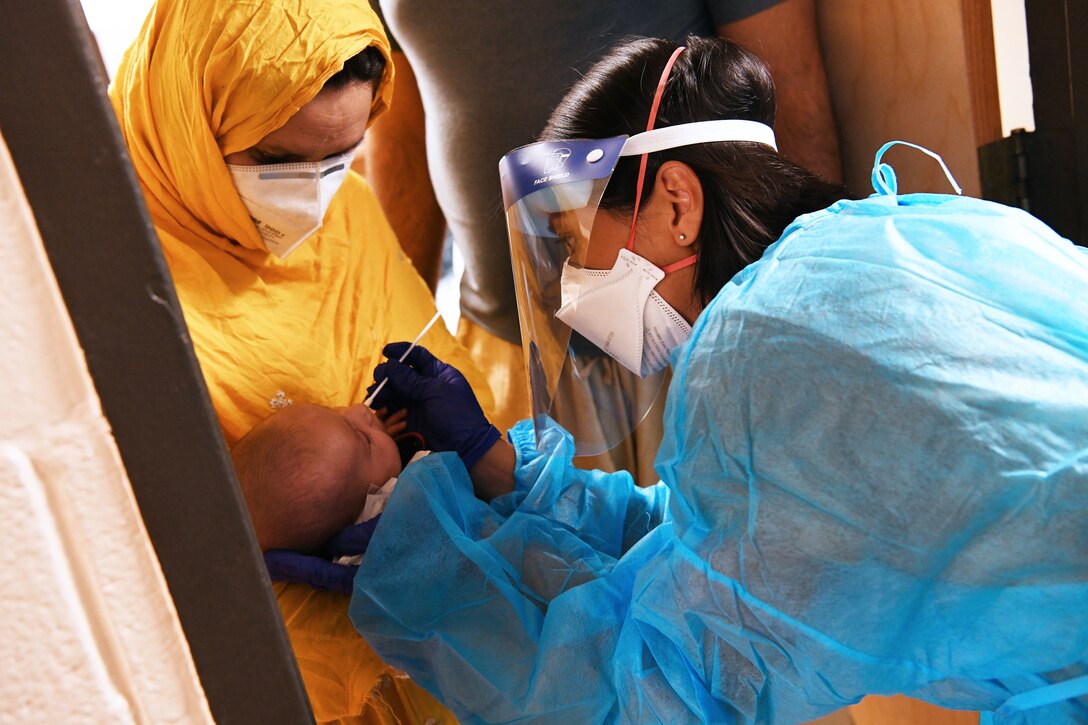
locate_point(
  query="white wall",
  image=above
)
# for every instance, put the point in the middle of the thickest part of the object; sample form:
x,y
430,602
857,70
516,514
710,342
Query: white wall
x,y
88,631
115,24
1013,77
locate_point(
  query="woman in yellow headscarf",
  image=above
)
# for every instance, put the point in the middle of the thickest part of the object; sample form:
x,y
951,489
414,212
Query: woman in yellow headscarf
x,y
241,119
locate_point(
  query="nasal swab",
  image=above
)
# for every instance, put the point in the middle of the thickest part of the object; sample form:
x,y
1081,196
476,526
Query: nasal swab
x,y
370,398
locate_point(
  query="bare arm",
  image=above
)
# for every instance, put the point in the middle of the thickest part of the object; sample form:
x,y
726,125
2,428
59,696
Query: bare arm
x,y
785,37
493,475
395,159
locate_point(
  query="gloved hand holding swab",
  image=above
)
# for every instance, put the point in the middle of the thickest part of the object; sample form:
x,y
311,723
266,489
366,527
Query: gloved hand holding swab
x,y
370,398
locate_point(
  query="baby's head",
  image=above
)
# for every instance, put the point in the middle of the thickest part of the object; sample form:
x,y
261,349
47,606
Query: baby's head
x,y
305,472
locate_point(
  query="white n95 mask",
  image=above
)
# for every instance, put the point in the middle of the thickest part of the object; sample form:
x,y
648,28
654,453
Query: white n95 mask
x,y
287,202
619,312
552,192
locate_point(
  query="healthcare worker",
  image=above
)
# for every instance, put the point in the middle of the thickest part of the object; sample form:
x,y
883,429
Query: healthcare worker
x,y
241,120
875,464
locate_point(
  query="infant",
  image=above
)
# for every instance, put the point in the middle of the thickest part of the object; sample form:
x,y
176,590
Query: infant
x,y
305,471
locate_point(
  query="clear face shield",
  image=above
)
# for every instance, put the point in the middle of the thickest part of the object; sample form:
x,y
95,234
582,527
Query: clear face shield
x,y
595,359
551,192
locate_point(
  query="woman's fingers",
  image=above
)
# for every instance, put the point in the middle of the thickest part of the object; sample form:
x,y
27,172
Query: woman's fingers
x,y
398,415
418,357
395,423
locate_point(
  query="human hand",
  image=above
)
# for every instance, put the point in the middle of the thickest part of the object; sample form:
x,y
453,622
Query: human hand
x,y
439,401
395,423
319,570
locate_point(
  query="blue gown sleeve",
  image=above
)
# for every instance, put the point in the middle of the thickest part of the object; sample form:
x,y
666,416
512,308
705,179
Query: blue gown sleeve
x,y
529,599
606,510
876,462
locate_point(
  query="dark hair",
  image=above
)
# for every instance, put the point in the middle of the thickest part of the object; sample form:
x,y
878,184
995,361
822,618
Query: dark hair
x,y
364,67
751,193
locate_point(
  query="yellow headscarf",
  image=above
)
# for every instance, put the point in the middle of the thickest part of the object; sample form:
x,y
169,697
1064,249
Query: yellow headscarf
x,y
207,78
218,76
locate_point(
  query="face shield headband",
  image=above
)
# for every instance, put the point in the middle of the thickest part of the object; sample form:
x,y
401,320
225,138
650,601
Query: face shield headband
x,y
551,192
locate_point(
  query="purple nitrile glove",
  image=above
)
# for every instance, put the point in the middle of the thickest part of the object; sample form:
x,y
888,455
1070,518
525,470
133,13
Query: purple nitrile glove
x,y
318,570
440,402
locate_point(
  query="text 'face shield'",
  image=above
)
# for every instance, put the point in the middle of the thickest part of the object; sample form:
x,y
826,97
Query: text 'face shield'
x,y
551,192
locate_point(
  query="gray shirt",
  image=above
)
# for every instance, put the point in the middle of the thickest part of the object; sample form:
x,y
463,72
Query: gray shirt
x,y
490,73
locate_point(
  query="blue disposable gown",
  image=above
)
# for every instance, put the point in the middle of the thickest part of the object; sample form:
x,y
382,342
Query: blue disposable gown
x,y
874,480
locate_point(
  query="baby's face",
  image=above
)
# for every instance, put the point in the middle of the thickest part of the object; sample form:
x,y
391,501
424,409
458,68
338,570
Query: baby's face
x,y
361,437
355,450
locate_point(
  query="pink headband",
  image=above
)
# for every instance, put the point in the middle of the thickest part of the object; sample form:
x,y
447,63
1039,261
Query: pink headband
x,y
642,166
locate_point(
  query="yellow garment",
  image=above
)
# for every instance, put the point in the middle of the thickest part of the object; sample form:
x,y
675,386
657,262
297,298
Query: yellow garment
x,y
503,364
334,655
207,78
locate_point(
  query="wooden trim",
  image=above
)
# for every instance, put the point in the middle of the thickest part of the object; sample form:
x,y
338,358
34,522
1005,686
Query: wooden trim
x,y
978,41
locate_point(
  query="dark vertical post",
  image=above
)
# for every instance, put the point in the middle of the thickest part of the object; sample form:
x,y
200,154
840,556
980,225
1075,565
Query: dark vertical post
x,y
58,124
1046,171
1059,83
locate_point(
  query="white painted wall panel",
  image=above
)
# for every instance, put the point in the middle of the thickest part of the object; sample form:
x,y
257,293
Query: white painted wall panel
x,y
1013,68
87,628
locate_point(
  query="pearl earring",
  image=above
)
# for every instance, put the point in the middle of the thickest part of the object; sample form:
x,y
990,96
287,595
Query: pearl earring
x,y
683,237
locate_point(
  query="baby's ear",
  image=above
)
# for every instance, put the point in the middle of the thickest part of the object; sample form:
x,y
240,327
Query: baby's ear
x,y
409,444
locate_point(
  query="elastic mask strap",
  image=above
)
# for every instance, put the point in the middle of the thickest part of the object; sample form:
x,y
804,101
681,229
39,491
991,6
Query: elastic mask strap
x,y
884,181
685,262
649,127
1041,697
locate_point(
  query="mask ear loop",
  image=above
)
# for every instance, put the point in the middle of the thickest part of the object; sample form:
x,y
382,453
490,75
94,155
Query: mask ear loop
x,y
645,157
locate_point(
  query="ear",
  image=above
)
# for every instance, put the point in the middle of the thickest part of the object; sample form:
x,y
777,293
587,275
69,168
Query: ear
x,y
683,194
